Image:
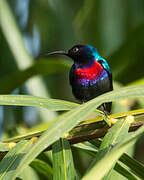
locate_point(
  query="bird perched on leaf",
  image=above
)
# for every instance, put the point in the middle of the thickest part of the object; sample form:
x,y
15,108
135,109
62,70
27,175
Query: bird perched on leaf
x,y
90,75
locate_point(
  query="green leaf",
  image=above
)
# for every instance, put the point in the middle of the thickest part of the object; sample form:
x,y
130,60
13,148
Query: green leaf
x,y
126,173
42,168
134,165
84,127
85,146
12,159
63,161
105,164
4,147
24,136
120,169
69,120
115,135
28,174
26,100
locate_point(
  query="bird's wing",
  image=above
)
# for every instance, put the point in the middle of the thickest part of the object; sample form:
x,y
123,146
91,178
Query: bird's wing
x,y
71,75
105,65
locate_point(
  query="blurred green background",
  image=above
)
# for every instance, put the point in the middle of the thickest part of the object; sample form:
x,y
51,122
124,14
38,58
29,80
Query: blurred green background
x,y
115,28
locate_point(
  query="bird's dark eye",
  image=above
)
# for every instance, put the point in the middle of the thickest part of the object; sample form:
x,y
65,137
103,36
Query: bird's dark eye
x,y
75,50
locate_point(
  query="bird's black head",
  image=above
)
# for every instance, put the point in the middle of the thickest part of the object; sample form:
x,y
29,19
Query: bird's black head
x,y
81,54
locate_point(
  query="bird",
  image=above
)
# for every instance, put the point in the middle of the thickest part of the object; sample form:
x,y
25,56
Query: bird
x,y
90,74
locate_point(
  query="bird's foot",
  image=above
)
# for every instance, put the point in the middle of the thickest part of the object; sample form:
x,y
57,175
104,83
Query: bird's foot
x,y
105,114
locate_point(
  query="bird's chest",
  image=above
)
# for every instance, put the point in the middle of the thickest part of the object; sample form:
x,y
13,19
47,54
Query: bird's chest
x,y
88,76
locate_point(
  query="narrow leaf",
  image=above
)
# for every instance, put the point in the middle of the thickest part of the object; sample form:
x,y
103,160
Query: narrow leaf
x,y
28,174
4,147
27,100
120,169
42,168
105,164
63,161
12,159
126,173
69,120
134,165
115,135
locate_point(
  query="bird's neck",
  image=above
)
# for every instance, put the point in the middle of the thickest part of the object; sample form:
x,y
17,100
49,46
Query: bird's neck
x,y
85,64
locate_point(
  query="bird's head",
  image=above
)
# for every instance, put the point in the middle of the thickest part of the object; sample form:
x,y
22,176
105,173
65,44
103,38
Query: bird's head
x,y
81,54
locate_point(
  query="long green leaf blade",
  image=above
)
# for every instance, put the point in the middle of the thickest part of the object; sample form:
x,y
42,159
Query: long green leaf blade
x,y
42,168
105,164
67,121
134,165
126,173
12,159
120,169
63,161
28,174
27,100
113,137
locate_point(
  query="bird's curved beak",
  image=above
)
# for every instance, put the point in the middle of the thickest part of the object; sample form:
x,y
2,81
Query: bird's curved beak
x,y
58,52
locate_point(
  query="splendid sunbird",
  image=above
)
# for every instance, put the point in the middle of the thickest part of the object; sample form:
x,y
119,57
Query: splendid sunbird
x,y
90,75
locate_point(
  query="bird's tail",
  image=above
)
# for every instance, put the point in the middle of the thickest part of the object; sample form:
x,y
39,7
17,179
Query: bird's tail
x,y
108,107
